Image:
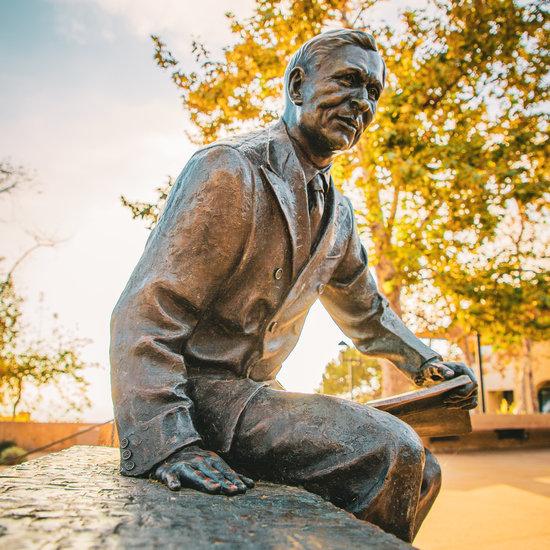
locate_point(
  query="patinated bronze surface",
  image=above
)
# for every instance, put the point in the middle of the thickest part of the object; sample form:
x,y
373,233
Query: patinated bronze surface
x,y
253,233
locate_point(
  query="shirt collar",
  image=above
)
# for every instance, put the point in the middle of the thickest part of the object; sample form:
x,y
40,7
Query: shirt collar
x,y
309,169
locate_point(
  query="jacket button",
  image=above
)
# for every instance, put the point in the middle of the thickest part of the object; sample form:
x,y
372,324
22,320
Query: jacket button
x,y
130,465
272,326
126,454
124,443
321,288
278,273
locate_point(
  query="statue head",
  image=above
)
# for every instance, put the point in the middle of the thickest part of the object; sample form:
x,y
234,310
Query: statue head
x,y
332,86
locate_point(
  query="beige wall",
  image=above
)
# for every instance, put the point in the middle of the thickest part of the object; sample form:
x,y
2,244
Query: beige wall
x,y
32,435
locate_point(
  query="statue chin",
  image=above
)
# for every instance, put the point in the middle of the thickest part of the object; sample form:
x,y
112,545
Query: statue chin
x,y
339,140
341,144
330,142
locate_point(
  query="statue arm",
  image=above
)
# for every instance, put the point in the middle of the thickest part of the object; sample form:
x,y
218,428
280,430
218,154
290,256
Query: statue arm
x,y
187,259
364,315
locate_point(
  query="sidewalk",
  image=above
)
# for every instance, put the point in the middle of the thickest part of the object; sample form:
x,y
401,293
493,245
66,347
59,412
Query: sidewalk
x,y
491,500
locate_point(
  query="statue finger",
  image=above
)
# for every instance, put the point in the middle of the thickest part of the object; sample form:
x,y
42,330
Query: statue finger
x,y
224,486
461,402
190,477
440,371
470,390
461,368
229,473
467,391
227,486
433,373
457,396
470,404
247,481
171,480
456,400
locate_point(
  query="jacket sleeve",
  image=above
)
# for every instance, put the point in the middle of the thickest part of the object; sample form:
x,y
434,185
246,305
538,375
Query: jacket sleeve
x,y
365,316
195,246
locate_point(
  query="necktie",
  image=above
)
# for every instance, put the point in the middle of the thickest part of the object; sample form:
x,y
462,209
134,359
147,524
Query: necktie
x,y
316,201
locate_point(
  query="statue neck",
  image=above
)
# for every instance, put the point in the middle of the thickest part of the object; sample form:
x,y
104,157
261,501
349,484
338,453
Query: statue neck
x,y
304,143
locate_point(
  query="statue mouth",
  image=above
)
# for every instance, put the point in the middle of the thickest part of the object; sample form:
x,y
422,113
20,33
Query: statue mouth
x,y
350,122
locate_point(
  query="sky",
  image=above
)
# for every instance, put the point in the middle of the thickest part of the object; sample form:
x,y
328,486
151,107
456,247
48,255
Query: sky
x,y
85,109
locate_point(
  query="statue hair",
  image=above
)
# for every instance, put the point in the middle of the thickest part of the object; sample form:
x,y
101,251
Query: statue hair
x,y
320,46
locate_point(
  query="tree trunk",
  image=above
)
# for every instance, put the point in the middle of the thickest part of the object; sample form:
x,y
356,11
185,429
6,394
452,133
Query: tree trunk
x,y
467,346
393,380
527,399
17,398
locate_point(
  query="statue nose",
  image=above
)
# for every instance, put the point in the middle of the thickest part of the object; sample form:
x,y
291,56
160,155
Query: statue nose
x,y
361,101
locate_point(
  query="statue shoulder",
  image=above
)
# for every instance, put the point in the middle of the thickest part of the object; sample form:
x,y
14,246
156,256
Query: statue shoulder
x,y
251,145
218,174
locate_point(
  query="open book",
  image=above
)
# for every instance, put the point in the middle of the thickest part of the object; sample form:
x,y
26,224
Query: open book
x,y
424,409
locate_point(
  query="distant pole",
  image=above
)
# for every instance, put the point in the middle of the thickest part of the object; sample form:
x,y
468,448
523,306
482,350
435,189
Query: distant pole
x,y
480,363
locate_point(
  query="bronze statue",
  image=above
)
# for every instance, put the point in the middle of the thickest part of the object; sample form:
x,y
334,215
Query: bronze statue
x,y
253,233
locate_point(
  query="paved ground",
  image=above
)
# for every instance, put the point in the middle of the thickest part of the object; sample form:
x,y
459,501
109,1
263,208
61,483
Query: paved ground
x,y
491,500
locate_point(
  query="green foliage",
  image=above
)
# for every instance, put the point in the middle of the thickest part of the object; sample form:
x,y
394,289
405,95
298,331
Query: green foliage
x,y
6,443
149,212
11,176
351,373
35,364
449,183
9,314
12,455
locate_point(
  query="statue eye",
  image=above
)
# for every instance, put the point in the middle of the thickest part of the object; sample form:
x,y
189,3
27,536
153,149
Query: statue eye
x,y
349,79
373,92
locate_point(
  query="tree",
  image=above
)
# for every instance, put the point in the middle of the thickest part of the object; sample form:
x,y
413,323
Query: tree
x,y
352,375
149,212
459,141
34,364
11,176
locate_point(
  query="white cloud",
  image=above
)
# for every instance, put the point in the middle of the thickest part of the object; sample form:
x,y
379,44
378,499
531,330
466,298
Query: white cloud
x,y
177,21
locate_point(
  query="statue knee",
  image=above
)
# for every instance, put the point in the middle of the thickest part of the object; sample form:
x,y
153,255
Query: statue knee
x,y
406,450
410,450
431,480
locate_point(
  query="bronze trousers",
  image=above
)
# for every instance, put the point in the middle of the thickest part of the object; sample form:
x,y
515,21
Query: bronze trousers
x,y
365,461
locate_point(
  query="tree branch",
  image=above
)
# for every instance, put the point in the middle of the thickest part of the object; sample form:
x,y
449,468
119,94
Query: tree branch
x,y
393,210
38,244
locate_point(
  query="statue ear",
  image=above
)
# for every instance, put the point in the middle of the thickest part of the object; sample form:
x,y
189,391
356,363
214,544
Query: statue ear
x,y
295,83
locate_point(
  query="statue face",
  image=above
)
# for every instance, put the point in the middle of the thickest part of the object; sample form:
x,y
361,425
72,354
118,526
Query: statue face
x,y
338,98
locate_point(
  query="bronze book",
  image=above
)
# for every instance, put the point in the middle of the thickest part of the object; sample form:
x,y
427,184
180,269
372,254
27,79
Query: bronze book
x,y
425,412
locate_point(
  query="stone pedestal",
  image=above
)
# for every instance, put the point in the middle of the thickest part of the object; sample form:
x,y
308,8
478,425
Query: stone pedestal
x,y
77,499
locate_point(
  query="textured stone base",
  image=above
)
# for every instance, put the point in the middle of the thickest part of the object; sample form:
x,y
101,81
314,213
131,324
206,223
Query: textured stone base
x,y
77,499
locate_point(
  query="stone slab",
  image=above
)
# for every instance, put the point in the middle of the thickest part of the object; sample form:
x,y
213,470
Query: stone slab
x,y
77,499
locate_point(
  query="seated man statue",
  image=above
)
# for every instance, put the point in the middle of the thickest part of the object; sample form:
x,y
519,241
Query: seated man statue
x,y
253,233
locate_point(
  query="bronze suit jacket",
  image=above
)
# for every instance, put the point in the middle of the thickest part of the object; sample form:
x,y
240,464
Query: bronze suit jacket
x,y
220,294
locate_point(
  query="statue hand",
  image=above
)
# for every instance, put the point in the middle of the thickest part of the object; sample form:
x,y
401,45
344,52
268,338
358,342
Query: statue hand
x,y
438,371
202,470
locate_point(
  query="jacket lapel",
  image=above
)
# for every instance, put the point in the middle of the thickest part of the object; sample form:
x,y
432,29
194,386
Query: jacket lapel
x,y
324,245
286,178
